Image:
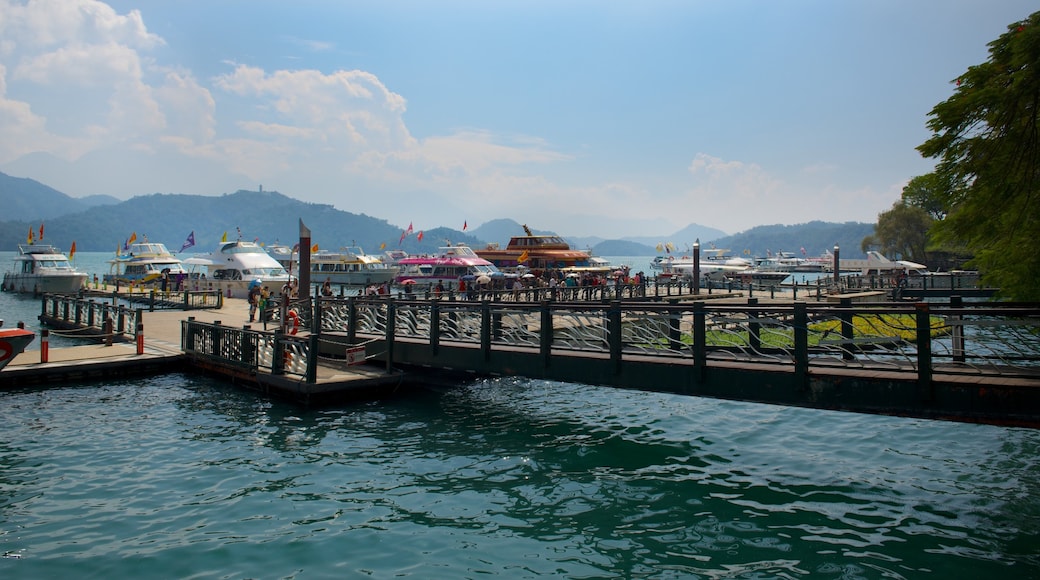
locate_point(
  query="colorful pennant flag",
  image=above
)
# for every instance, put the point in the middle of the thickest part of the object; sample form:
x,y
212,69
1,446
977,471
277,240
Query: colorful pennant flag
x,y
133,238
314,248
29,239
419,236
72,250
523,257
223,238
189,242
41,231
464,225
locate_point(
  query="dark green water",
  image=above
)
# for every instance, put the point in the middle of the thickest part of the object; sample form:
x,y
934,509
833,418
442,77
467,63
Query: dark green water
x,y
184,477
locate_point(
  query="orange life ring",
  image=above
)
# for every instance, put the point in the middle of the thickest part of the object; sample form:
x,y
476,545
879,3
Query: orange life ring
x,y
294,322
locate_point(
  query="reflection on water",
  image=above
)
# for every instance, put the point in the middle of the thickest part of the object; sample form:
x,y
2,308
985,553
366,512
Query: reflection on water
x,y
182,476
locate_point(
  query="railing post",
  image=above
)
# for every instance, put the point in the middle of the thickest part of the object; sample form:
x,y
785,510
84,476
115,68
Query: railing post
x,y
278,353
754,328
312,356
216,337
801,342
391,319
957,330
924,350
847,329
674,327
546,329
352,320
614,334
246,350
435,326
700,337
485,329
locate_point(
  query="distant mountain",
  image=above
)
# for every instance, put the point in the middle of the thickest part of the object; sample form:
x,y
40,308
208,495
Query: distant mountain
x,y
28,200
811,239
101,223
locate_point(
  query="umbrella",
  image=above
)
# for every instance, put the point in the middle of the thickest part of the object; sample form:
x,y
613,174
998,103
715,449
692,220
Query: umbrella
x,y
407,282
484,279
528,275
254,283
468,277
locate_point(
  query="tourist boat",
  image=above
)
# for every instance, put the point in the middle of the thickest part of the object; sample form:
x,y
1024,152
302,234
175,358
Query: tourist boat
x,y
42,268
536,253
145,262
351,266
234,266
714,264
12,343
448,266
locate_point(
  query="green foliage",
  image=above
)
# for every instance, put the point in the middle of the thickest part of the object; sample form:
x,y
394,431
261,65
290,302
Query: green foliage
x,y
902,232
987,143
928,192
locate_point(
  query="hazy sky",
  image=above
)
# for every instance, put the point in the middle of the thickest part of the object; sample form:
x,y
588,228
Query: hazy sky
x,y
583,117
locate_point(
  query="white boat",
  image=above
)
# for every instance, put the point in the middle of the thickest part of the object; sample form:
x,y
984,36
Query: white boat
x,y
145,262
42,268
714,264
350,266
234,266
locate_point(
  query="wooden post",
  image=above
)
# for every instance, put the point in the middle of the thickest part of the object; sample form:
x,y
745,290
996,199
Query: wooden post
x,y
305,261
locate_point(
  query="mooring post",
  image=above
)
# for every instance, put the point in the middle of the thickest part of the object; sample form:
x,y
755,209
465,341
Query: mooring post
x,y
278,353
312,357
754,328
45,338
351,320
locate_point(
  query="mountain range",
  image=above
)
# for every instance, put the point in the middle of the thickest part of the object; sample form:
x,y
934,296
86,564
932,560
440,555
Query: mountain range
x,y
102,223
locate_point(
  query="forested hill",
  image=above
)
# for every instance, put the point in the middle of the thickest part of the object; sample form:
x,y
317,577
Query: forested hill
x,y
271,217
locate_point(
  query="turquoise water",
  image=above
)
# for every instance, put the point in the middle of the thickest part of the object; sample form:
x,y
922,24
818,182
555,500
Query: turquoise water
x,y
180,476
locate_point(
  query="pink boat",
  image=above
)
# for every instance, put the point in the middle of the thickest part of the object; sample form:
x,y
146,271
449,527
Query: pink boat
x,y
448,266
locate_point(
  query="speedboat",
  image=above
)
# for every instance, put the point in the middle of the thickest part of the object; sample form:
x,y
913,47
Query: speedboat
x,y
145,262
448,266
235,266
40,268
12,343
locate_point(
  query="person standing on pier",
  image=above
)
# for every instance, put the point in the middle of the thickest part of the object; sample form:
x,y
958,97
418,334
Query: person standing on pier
x,y
254,300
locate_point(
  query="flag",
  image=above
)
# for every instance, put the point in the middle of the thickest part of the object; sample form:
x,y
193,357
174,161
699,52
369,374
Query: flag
x,y
189,242
464,225
409,230
803,250
41,231
420,235
523,257
126,246
29,239
382,246
223,238
133,238
403,235
659,247
72,250
314,248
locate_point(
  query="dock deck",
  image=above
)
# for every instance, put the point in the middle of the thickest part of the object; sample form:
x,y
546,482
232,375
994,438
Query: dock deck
x,y
162,353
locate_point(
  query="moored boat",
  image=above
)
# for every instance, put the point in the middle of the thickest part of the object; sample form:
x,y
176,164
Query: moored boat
x,y
349,266
536,252
448,266
234,266
12,343
145,262
43,268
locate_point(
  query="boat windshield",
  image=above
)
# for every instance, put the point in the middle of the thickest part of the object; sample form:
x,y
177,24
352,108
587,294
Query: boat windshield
x,y
268,272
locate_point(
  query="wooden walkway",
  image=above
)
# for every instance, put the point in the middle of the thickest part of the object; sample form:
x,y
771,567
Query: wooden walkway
x,y
162,353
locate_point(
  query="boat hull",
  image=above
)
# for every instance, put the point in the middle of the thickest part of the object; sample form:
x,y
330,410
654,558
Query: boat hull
x,y
12,343
44,283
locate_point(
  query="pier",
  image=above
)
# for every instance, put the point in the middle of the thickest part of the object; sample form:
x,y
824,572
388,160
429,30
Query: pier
x,y
954,360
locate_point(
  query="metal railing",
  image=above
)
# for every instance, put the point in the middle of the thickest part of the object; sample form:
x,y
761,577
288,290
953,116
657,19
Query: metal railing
x,y
90,316
923,338
278,353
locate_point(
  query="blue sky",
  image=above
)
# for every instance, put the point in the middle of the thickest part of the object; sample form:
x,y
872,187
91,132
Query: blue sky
x,y
583,117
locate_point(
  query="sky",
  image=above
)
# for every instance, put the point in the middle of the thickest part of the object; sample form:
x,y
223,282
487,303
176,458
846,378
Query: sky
x,y
586,117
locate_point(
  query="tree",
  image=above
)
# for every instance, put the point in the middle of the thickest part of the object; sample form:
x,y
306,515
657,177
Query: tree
x,y
902,232
928,192
987,143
